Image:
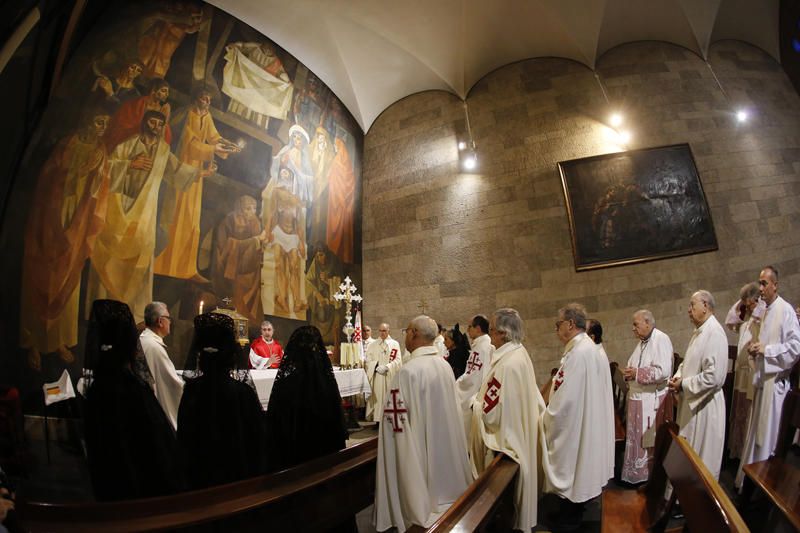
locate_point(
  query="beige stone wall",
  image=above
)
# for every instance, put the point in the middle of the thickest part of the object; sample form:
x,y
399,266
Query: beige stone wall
x,y
464,244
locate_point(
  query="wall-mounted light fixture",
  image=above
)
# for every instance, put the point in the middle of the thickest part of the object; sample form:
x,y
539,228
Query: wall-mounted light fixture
x,y
467,148
741,113
616,119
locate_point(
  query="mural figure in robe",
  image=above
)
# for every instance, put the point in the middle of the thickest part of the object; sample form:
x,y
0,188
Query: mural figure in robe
x,y
127,120
238,250
122,259
322,154
199,143
71,199
120,87
341,204
324,275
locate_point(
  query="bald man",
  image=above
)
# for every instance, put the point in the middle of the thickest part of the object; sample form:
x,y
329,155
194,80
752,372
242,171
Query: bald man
x,y
384,359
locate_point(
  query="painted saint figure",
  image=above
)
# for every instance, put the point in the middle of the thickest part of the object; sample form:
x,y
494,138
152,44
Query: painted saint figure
x,y
71,196
122,260
199,143
237,258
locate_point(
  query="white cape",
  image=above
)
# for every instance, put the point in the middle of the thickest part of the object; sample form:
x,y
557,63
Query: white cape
x,y
422,465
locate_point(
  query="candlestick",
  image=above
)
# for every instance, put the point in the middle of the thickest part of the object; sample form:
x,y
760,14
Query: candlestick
x,y
200,312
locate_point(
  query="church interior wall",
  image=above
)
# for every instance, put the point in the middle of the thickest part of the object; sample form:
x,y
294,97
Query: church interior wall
x,y
456,244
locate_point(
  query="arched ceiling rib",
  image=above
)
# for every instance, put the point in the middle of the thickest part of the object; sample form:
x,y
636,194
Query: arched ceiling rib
x,y
372,54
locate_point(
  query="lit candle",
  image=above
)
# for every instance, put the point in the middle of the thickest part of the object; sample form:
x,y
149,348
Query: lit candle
x,y
201,308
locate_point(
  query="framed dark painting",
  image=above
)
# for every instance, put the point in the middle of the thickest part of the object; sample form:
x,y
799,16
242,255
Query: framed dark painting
x,y
636,206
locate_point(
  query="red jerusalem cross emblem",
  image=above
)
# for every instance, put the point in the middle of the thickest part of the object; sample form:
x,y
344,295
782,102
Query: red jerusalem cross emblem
x,y
492,396
394,412
474,363
393,354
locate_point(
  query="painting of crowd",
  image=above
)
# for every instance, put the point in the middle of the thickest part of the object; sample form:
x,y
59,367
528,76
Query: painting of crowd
x,y
186,158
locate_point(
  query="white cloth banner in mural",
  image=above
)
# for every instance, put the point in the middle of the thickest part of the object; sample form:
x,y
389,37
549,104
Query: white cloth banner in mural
x,y
248,80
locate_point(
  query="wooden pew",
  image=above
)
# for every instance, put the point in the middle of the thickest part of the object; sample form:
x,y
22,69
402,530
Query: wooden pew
x,y
316,495
776,477
619,388
704,502
643,509
487,504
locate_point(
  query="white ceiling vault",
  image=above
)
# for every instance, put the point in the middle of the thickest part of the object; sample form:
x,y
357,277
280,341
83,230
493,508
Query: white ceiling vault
x,y
372,53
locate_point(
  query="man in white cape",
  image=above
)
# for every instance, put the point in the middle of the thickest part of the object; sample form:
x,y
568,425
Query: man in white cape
x,y
422,465
698,382
648,370
167,386
775,353
481,350
573,440
505,413
384,359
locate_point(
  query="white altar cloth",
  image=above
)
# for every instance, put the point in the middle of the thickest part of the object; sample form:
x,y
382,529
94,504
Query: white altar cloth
x,y
350,382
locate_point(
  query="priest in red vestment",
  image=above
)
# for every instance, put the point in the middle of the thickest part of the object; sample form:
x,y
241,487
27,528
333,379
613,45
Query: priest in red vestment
x,y
265,352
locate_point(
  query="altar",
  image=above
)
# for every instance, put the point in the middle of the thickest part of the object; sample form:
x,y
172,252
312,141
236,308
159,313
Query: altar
x,y
350,382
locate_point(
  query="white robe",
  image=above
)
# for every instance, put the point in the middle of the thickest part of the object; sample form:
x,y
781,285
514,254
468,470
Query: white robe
x,y
468,383
505,419
381,352
572,436
167,386
780,335
422,465
701,408
653,363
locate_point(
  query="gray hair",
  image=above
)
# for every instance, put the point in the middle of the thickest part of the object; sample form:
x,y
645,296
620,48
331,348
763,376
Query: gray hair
x,y
749,291
426,327
152,312
266,323
646,315
705,297
508,322
773,271
575,312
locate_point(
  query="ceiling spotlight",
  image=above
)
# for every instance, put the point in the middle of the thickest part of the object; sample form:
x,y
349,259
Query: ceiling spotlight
x,y
471,161
741,115
624,137
462,145
616,119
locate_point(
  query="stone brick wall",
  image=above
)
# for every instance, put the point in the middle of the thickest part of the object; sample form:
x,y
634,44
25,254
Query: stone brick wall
x,y
460,244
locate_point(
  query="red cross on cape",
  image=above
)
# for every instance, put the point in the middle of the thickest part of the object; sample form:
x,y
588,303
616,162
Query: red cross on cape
x,y
474,362
394,412
492,396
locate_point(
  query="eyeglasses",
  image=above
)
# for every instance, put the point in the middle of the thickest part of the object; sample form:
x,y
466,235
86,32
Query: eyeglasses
x,y
559,322
407,330
167,317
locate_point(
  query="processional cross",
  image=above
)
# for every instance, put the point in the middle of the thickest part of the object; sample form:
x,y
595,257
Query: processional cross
x,y
347,293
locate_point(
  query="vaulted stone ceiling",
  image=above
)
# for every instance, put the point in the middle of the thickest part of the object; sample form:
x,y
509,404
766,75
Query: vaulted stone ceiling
x,y
372,53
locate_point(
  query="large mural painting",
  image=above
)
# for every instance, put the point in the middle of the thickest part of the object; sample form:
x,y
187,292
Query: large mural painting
x,y
186,159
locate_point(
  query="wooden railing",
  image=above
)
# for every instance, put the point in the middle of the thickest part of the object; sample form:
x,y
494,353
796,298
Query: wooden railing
x,y
316,495
488,500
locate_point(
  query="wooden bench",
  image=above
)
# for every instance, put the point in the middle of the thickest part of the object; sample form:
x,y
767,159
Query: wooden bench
x,y
643,509
704,502
316,495
705,505
487,504
619,389
776,477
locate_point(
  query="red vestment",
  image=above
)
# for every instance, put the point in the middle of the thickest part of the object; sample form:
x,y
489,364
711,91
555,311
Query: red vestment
x,y
267,350
127,122
341,204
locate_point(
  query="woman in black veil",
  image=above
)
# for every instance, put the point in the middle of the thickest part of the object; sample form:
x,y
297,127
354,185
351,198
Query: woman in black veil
x,y
131,447
458,350
220,421
304,418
